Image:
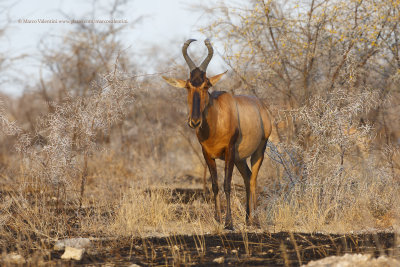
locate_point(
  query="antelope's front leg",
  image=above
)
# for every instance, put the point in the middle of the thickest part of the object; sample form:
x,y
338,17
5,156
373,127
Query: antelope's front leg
x,y
214,178
229,162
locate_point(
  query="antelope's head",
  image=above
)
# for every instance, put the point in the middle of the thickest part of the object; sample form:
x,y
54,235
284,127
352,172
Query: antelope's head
x,y
197,85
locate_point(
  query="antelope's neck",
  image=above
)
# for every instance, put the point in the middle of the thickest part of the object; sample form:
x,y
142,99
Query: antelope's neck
x,y
208,119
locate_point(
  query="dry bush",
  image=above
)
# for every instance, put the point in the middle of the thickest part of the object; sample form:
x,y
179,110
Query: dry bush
x,y
46,202
65,122
326,185
69,135
8,127
289,50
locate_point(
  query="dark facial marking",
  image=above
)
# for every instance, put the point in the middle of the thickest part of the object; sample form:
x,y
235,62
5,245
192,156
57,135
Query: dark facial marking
x,y
197,77
196,106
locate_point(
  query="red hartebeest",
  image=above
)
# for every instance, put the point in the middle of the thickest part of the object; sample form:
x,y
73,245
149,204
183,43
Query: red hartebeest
x,y
228,127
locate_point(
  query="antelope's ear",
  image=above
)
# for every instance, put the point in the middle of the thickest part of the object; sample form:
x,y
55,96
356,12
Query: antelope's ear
x,y
175,82
213,80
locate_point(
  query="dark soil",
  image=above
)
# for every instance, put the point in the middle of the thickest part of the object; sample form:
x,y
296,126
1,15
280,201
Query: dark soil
x,y
278,249
236,249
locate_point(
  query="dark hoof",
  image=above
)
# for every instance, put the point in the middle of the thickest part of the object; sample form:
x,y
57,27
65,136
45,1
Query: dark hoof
x,y
229,226
253,222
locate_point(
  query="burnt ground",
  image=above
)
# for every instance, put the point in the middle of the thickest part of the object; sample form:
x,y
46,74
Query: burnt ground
x,y
237,249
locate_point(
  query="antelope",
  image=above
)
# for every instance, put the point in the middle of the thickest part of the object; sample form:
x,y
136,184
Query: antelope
x,y
228,127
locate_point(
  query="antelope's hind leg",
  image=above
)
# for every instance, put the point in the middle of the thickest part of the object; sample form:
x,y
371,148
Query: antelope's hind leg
x,y
246,174
256,161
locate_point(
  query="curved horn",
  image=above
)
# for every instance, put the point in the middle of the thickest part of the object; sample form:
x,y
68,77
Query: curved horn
x,y
204,64
190,63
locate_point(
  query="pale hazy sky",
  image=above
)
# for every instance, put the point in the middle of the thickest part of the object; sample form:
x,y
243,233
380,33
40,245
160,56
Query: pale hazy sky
x,y
164,21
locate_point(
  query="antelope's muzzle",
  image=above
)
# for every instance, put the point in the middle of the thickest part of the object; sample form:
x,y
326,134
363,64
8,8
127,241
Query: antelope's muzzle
x,y
195,117
194,124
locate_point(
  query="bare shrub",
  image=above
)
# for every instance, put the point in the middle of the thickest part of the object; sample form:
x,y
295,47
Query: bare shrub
x,y
326,184
290,50
7,126
54,165
69,135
